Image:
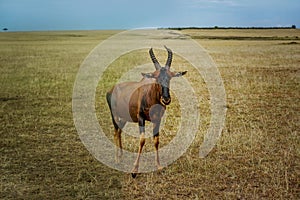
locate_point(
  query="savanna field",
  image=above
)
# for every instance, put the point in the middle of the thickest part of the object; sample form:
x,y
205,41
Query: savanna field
x,y
257,156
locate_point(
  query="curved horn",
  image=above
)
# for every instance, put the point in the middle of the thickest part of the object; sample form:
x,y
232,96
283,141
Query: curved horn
x,y
169,60
154,60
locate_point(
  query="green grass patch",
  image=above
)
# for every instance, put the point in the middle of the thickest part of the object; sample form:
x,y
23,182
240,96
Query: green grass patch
x,y
257,156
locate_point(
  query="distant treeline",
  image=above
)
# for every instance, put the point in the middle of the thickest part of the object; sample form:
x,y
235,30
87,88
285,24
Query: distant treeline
x,y
217,27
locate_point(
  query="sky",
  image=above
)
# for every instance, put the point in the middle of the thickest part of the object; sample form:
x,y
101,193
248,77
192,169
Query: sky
x,y
31,15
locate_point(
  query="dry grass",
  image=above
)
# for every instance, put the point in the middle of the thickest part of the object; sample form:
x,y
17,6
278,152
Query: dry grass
x,y
257,156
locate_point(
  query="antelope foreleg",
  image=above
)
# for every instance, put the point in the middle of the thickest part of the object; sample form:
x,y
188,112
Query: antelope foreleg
x,y
156,143
156,126
137,161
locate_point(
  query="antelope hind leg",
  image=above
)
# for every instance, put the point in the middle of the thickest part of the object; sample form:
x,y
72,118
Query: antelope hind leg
x,y
118,143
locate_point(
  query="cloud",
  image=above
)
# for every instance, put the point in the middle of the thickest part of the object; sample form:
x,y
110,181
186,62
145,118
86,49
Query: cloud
x,y
212,3
226,2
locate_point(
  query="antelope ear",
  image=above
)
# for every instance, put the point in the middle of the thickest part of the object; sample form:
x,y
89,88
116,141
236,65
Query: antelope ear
x,y
148,75
178,74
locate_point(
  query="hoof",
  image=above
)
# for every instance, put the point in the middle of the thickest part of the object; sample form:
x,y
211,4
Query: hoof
x,y
160,168
134,171
118,160
133,175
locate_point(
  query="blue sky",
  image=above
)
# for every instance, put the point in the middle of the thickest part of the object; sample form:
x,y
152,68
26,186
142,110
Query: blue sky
x,y
26,15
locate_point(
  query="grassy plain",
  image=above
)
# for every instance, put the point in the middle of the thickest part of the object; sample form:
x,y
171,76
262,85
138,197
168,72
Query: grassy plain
x,y
257,157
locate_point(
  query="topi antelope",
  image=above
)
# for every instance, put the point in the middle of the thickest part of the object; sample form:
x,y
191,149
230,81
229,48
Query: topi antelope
x,y
140,101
